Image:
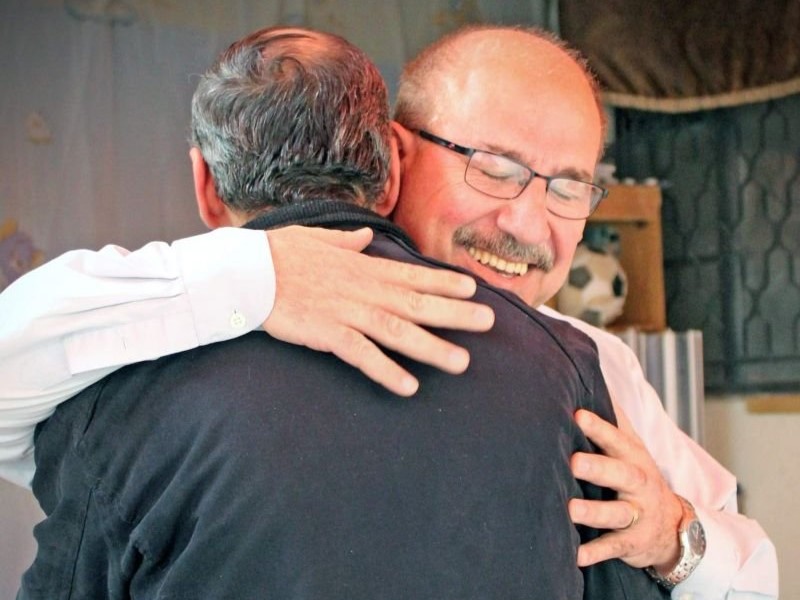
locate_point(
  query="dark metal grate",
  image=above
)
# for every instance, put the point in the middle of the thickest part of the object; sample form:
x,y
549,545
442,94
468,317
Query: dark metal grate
x,y
731,223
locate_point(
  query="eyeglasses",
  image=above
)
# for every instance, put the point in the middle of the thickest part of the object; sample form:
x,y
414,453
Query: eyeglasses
x,y
501,177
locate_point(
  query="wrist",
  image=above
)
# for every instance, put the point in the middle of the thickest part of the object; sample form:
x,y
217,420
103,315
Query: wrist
x,y
692,543
670,554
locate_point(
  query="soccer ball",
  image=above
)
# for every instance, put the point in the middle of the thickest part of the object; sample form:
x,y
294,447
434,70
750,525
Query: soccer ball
x,y
595,289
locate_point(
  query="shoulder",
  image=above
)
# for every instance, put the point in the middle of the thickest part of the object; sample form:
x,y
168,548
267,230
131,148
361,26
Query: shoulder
x,y
611,349
534,334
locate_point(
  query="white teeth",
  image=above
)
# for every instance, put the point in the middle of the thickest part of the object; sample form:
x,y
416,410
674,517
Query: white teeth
x,y
497,263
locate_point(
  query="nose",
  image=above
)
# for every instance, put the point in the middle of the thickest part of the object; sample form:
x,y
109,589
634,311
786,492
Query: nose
x,y
526,217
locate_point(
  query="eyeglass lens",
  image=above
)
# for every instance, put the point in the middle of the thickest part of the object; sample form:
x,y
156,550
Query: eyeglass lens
x,y
501,177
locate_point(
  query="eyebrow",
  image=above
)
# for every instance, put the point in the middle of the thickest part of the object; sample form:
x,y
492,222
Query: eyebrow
x,y
568,172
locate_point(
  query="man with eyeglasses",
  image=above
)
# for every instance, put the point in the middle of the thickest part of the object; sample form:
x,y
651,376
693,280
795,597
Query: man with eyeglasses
x,y
498,147
515,235
503,178
258,469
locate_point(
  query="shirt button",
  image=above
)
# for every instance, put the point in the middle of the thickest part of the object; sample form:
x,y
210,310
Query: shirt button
x,y
238,320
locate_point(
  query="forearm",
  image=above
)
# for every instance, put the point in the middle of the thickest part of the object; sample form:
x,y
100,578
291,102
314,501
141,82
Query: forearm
x,y
84,314
20,413
740,560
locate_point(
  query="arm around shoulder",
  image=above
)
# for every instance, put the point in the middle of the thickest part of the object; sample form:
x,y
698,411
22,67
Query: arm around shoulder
x,y
80,316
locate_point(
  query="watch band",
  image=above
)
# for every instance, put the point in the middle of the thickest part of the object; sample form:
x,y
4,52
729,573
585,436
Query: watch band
x,y
692,538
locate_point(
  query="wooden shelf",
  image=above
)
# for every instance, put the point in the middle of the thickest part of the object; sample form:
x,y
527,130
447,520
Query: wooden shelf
x,y
774,403
635,212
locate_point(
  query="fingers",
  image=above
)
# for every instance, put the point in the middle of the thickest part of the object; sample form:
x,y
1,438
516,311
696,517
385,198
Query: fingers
x,y
609,514
419,278
642,522
608,546
407,276
348,240
624,540
609,439
356,349
411,306
608,472
415,342
331,298
359,352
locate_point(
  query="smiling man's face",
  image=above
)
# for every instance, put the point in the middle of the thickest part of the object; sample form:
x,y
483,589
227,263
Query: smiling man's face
x,y
517,96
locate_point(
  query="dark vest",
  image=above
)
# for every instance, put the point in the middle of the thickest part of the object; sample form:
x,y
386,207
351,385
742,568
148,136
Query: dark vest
x,y
256,469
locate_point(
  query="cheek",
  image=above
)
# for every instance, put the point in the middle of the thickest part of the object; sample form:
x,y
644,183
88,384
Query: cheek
x,y
432,233
443,212
565,240
566,237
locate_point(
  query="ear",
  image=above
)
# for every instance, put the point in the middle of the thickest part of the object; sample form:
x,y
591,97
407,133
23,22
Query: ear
x,y
406,143
391,190
403,145
212,209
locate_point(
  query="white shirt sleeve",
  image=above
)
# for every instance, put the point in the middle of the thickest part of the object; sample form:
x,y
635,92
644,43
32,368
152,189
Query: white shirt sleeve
x,y
740,561
83,315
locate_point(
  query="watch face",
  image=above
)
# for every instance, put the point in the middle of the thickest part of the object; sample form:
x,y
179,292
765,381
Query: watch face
x,y
697,538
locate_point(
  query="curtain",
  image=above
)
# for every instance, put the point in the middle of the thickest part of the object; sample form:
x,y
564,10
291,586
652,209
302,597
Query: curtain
x,y
96,95
679,56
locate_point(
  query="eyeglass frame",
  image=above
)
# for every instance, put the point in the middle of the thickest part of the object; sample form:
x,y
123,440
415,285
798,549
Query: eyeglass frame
x,y
469,152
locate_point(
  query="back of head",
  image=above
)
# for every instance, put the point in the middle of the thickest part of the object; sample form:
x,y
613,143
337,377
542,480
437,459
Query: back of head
x,y
289,114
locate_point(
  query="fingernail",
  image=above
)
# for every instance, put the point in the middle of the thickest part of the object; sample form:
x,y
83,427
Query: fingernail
x,y
583,417
468,285
458,360
484,316
581,466
409,386
583,558
578,510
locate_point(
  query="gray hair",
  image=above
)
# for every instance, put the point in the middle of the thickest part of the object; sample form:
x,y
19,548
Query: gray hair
x,y
288,114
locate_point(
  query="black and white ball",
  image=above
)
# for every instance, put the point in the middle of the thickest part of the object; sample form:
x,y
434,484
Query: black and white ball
x,y
595,289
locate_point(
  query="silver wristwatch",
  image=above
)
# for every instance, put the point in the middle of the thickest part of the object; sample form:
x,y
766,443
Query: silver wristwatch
x,y
692,538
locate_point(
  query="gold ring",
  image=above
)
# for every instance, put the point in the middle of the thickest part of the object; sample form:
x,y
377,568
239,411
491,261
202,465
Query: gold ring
x,y
634,517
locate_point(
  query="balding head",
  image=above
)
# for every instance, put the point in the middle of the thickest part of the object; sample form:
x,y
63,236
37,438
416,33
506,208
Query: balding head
x,y
516,93
434,81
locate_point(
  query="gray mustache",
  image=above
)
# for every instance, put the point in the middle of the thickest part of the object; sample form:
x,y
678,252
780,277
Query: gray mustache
x,y
506,245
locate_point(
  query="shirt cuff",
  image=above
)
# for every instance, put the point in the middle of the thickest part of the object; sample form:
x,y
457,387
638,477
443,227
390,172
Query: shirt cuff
x,y
724,572
229,279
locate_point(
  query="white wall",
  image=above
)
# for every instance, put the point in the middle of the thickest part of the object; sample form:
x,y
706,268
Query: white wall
x,y
763,450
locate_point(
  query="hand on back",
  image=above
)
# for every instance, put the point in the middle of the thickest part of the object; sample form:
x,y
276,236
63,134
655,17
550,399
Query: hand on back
x,y
332,298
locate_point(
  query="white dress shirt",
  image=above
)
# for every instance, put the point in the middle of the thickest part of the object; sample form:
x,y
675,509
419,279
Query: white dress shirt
x,y
740,561
85,314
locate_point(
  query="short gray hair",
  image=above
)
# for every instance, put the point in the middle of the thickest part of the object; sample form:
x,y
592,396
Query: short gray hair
x,y
288,114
